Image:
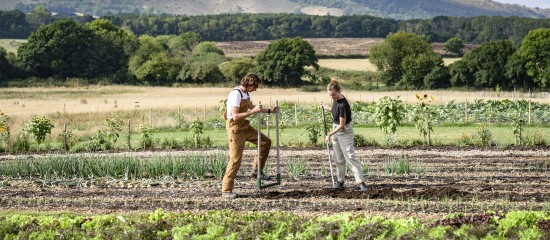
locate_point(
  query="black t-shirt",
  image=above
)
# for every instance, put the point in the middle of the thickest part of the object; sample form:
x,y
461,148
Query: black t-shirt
x,y
341,108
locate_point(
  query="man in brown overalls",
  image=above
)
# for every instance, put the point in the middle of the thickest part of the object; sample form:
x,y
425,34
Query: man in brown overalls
x,y
239,107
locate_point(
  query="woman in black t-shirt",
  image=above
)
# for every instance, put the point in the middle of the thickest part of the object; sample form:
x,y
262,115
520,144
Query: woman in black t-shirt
x,y
342,136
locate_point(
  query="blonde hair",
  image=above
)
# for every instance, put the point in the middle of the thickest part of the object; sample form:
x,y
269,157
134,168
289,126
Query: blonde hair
x,y
334,85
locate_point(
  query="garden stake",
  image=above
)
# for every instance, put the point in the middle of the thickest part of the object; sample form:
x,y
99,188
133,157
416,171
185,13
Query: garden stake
x,y
328,147
259,179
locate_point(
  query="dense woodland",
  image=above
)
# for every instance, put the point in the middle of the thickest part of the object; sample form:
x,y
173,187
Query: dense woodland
x,y
167,50
245,27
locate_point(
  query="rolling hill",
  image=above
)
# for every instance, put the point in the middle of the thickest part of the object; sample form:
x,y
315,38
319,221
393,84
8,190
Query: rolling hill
x,y
397,9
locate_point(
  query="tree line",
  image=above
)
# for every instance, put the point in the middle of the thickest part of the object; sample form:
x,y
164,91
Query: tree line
x,y
271,26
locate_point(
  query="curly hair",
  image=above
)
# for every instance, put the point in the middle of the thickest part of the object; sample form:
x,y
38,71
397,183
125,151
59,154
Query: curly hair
x,y
251,80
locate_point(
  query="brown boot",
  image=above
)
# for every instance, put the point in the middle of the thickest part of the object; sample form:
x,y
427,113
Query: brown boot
x,y
229,195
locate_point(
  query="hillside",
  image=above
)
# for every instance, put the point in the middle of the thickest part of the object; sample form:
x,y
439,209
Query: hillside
x,y
397,9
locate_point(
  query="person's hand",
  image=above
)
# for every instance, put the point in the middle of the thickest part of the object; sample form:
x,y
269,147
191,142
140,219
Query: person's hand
x,y
327,139
257,108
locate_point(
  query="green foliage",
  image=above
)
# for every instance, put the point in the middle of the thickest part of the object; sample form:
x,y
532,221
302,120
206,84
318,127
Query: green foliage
x,y
484,66
98,142
226,224
189,166
156,61
236,69
389,113
283,62
196,128
404,54
535,52
38,127
114,127
483,137
423,116
454,46
206,48
146,136
63,49
297,167
518,117
4,128
21,143
359,140
398,165
313,130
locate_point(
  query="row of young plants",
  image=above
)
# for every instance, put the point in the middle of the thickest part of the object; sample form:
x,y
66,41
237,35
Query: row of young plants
x,y
187,166
227,224
388,114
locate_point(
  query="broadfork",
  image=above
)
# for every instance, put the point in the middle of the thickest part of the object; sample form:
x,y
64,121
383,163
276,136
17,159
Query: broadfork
x,y
259,178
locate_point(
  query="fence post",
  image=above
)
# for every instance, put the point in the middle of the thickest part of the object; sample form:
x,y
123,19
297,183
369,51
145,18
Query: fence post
x,y
529,114
295,115
129,135
466,111
65,144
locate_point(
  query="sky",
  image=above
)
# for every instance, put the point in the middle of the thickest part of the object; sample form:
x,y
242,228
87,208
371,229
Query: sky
x,y
528,3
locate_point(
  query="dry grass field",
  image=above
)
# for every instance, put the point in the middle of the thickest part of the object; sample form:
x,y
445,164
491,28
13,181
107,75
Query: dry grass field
x,y
322,46
42,101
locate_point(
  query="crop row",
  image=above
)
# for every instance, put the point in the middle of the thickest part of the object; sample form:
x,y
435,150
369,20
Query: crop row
x,y
227,224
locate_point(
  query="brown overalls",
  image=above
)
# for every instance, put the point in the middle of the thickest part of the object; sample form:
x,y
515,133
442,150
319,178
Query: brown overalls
x,y
238,132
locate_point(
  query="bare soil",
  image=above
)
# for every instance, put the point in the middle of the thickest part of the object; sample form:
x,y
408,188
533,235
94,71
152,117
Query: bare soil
x,y
443,181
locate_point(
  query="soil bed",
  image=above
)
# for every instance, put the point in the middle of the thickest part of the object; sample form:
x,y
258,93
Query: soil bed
x,y
441,182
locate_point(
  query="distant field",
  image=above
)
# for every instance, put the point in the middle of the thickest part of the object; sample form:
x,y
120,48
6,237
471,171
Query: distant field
x,y
11,45
348,64
362,64
41,101
322,46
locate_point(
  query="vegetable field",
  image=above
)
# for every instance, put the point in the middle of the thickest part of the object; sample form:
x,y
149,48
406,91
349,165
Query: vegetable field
x,y
422,184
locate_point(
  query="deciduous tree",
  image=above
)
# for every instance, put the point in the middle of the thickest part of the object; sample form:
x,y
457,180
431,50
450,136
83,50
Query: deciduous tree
x,y
283,62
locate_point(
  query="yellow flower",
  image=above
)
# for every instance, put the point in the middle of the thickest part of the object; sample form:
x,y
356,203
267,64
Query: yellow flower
x,y
417,96
425,95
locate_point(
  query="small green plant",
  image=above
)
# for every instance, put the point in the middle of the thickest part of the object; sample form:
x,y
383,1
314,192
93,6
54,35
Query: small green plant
x,y
98,142
518,119
423,116
218,164
146,137
39,127
114,127
297,167
389,113
465,140
21,143
313,132
483,136
534,139
196,128
398,166
4,128
359,140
